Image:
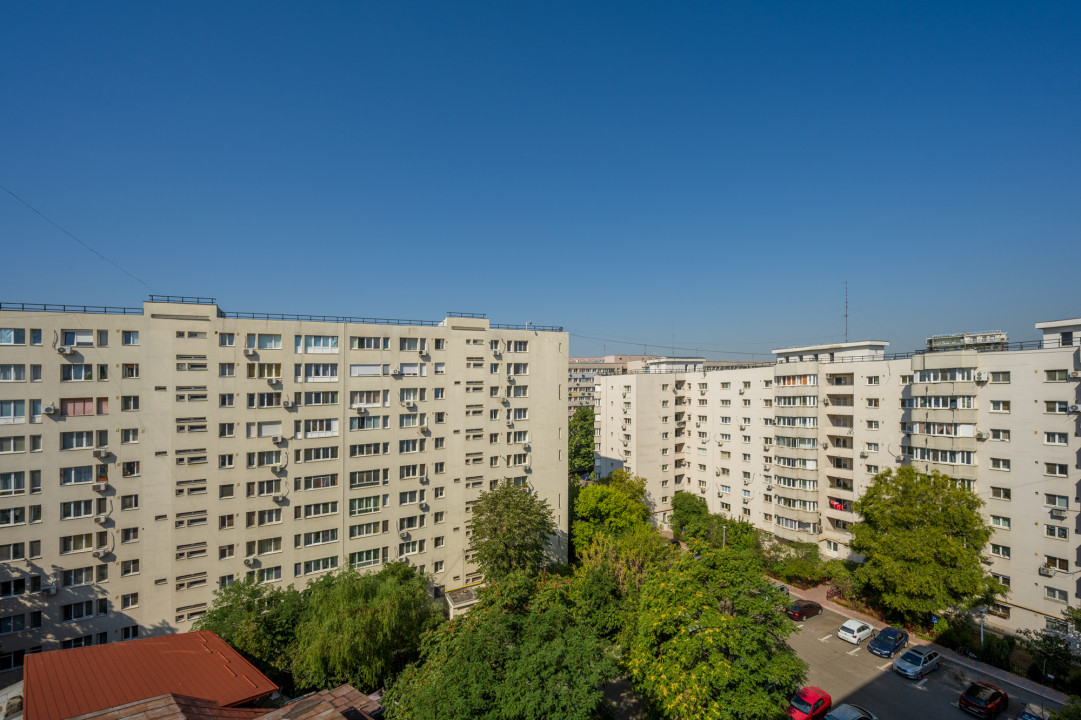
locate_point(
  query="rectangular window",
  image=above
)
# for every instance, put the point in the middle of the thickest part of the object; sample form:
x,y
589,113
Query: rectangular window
x,y
12,336
1055,469
1000,406
1055,407
1000,435
1000,522
1002,551
1056,376
1000,464
1057,531
1000,493
1058,501
1000,377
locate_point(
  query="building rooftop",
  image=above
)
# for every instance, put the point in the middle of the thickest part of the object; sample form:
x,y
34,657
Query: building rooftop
x,y
68,683
879,344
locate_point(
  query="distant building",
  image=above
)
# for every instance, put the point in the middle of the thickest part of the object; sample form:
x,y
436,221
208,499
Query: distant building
x,y
790,445
583,372
994,340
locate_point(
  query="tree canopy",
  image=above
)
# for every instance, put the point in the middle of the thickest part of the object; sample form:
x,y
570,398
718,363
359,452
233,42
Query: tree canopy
x,y
580,441
691,519
710,640
520,653
511,529
363,629
922,537
605,508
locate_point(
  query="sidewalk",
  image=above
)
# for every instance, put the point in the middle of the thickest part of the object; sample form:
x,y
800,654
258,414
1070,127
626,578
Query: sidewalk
x,y
818,594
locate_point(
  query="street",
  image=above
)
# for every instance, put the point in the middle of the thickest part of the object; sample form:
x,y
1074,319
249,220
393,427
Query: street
x,y
850,673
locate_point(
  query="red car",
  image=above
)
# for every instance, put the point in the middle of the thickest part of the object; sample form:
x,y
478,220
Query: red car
x,y
984,700
803,609
810,703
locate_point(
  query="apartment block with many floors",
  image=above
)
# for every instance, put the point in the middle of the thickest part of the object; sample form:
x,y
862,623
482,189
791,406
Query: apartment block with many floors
x,y
790,445
149,456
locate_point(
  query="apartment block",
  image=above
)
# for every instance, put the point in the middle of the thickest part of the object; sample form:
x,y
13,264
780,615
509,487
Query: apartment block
x,y
790,445
583,373
149,456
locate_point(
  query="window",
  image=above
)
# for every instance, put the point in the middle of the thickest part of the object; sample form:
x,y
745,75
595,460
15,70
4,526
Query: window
x,y
12,336
1000,522
1055,469
1056,563
78,338
1055,407
226,339
1058,501
13,373
872,402
264,342
872,424
1000,493
129,600
1000,406
129,403
1056,594
1000,464
129,502
1055,438
1000,435
1055,376
1002,551
129,436
1000,377
129,535
1057,531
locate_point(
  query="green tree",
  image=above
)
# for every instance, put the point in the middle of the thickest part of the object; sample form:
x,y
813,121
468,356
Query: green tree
x,y
633,486
1070,711
580,441
520,653
511,529
259,621
1052,654
921,536
363,629
691,519
711,640
604,508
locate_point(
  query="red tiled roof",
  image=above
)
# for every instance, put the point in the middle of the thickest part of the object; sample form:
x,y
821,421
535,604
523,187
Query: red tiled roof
x,y
173,707
67,683
343,701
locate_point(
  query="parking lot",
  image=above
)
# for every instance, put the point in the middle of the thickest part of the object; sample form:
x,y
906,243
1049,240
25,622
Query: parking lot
x,y
850,673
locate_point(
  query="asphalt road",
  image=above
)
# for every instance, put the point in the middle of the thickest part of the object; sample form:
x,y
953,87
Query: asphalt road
x,y
850,673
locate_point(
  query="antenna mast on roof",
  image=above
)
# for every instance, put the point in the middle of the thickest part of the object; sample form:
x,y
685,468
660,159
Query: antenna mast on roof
x,y
846,311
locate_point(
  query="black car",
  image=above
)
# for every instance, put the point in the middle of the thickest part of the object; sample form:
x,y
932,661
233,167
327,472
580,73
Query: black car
x,y
888,642
803,609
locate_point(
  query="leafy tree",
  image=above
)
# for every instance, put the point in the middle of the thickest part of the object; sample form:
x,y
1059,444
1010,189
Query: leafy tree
x,y
511,528
580,441
691,518
1070,711
363,629
1052,654
520,653
633,486
604,508
711,640
260,622
922,536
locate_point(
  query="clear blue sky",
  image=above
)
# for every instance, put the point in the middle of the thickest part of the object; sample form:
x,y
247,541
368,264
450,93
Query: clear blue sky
x,y
708,172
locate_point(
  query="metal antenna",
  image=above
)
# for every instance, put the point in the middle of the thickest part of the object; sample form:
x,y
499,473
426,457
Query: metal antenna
x,y
846,311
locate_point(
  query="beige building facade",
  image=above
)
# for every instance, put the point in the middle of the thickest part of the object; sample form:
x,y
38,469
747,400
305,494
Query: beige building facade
x,y
789,446
149,456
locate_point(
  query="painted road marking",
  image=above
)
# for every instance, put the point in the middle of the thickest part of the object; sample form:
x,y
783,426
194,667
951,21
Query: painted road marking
x,y
824,639
885,666
920,685
854,651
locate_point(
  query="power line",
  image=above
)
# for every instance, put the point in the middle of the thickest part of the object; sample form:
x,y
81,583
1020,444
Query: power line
x,y
72,236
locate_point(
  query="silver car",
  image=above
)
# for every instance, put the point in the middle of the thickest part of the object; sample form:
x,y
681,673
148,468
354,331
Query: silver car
x,y
917,662
850,712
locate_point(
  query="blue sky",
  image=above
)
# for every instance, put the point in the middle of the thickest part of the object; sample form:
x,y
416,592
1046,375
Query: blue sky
x,y
703,173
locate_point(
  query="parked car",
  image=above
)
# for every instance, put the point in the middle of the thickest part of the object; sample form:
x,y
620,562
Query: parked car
x,y
809,703
855,631
781,587
803,609
850,712
1033,711
984,700
888,642
917,662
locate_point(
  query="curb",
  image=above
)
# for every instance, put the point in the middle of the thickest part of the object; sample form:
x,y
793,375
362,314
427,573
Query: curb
x,y
974,665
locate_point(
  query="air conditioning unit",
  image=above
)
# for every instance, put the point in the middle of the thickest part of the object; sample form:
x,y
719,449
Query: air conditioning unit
x,y
49,410
248,352
423,479
769,487
765,466
981,435
746,501
742,427
99,554
1046,571
65,350
276,468
287,403
511,380
101,453
48,590
497,352
403,535
986,560
742,390
527,447
1058,513
279,498
826,402
249,562
1075,408
101,519
99,487
273,381
981,376
717,472
746,482
899,459
422,429
277,439
423,507
421,350
863,454
396,371
720,443
528,468
825,445
1075,375
510,424
505,401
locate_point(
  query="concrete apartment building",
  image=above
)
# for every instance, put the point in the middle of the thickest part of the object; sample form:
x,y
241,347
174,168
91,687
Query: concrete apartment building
x,y
149,456
583,372
790,445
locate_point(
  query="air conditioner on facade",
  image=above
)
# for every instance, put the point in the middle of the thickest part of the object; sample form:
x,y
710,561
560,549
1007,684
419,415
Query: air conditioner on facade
x,y
99,487
249,562
276,468
396,371
1046,571
1075,408
101,519
527,447
746,501
505,401
48,590
1058,513
101,453
99,554
49,410
981,435
510,424
899,459
981,376
277,439
826,402
1075,375
423,479
248,352
863,454
825,445
279,498
287,404
769,487
717,472
528,468
423,507
65,350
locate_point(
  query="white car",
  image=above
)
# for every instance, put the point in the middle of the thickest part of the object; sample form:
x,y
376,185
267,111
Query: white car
x,y
855,631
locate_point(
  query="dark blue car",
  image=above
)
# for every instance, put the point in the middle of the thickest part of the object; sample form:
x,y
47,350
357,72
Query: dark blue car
x,y
888,642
